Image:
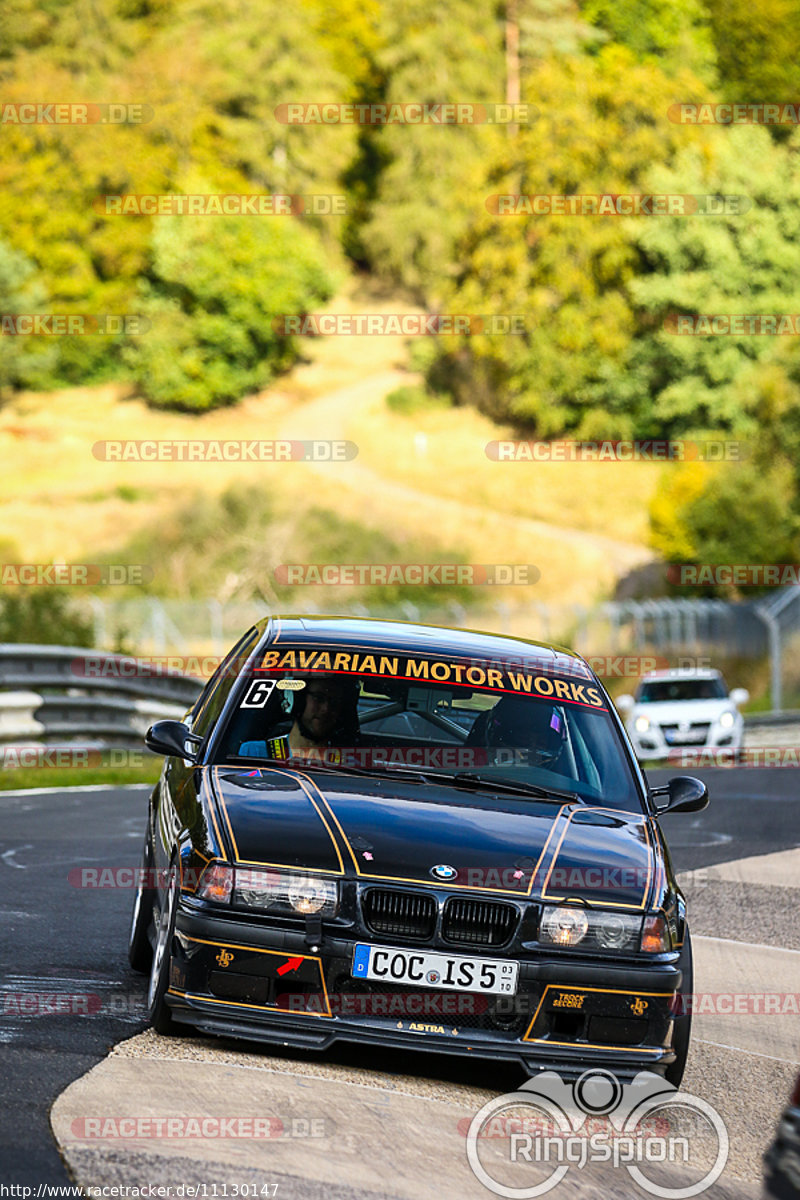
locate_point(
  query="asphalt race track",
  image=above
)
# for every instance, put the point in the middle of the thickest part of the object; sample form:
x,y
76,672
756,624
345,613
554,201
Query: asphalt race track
x,y
62,947
68,996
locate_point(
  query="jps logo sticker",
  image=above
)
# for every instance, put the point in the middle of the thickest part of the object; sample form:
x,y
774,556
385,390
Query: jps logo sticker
x,y
224,958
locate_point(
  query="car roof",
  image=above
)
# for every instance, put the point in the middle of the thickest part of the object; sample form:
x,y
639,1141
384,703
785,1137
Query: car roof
x,y
405,636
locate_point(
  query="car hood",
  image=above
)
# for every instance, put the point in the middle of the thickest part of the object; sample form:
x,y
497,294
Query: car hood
x,y
397,831
671,712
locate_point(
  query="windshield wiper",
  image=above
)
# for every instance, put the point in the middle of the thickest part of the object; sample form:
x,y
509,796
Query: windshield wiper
x,y
468,779
310,764
472,779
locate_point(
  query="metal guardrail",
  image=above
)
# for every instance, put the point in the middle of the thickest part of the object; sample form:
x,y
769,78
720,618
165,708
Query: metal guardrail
x,y
785,717
63,694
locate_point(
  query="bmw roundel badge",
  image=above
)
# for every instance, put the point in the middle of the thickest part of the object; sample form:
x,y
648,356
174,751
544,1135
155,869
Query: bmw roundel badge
x,y
443,871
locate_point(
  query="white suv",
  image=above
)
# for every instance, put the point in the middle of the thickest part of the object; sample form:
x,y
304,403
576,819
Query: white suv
x,y
683,708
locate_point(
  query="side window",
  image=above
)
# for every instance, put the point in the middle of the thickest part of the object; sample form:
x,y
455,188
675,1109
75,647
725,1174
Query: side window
x,y
213,698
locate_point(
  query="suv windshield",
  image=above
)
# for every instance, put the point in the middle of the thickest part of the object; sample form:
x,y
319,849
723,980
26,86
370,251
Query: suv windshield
x,y
529,727
681,689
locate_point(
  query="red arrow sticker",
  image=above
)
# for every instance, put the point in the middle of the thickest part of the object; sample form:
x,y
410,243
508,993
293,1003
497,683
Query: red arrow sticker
x,y
291,965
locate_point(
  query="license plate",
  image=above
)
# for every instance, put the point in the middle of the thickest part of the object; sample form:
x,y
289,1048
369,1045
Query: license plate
x,y
390,965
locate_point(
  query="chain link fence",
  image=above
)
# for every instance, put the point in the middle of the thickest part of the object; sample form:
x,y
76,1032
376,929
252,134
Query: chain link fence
x,y
694,629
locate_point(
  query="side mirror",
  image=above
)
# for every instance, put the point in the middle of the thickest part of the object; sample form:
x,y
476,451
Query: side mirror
x,y
625,703
172,737
739,696
684,794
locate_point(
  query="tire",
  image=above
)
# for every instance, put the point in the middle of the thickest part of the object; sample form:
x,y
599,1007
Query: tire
x,y
140,952
157,1007
683,1024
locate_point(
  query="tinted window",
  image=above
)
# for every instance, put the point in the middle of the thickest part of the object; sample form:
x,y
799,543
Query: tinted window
x,y
681,689
212,700
566,740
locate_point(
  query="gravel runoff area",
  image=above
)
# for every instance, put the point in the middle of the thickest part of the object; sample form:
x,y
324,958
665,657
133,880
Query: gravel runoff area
x,y
386,1138
743,912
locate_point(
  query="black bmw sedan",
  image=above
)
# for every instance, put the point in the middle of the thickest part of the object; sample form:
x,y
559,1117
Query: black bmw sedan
x,y
411,836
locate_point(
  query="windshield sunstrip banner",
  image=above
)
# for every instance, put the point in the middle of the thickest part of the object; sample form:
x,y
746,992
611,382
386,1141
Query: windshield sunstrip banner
x,y
434,670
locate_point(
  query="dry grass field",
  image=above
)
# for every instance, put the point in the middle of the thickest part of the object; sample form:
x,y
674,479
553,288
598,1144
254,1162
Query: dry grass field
x,y
423,476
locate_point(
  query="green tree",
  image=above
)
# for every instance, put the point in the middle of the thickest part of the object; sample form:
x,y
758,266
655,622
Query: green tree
x,y
215,286
673,36
758,48
743,263
43,616
601,127
431,185
212,109
24,360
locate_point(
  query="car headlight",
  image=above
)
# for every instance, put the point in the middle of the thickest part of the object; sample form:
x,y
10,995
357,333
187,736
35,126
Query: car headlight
x,y
595,929
286,893
641,724
727,719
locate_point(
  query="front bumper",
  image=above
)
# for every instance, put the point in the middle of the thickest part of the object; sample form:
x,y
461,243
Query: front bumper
x,y
653,744
251,980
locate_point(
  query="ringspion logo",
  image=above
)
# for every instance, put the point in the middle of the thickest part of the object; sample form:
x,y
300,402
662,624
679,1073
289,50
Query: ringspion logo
x,y
646,1123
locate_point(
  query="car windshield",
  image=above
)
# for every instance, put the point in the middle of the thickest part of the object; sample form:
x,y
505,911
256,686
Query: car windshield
x,y
532,728
659,690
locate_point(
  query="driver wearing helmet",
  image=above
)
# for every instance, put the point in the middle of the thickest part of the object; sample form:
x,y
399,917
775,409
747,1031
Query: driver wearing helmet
x,y
535,730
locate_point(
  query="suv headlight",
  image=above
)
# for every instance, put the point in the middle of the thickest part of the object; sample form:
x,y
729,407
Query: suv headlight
x,y
593,929
727,720
286,893
641,724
